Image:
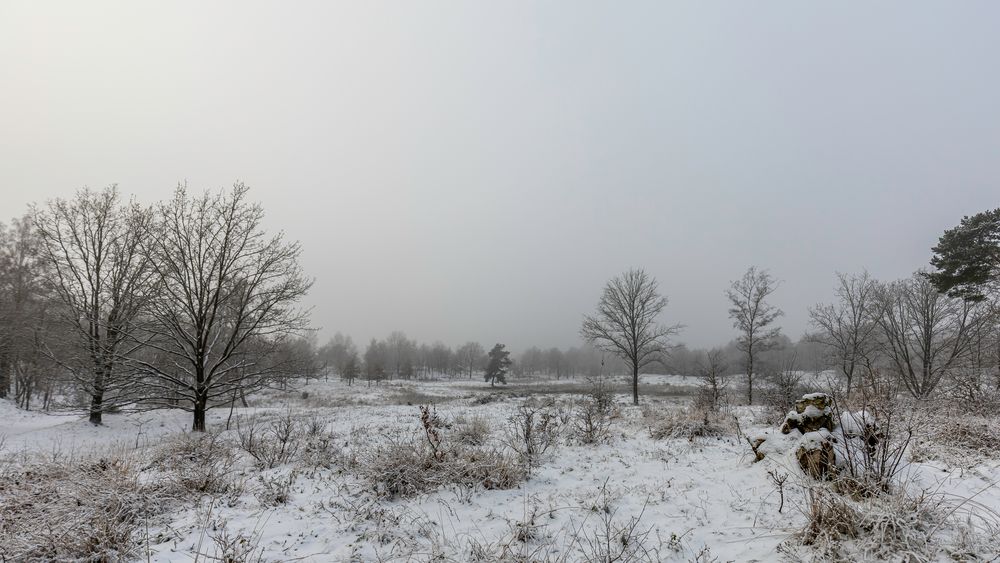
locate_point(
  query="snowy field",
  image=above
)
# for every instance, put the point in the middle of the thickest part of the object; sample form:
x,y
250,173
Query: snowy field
x,y
323,490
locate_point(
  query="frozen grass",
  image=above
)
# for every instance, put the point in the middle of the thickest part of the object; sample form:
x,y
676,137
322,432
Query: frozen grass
x,y
355,474
957,441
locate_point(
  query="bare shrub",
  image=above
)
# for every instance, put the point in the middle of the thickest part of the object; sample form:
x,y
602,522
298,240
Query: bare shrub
x,y
914,526
533,430
269,443
712,389
232,547
198,463
973,389
592,417
275,490
613,539
874,442
319,450
90,510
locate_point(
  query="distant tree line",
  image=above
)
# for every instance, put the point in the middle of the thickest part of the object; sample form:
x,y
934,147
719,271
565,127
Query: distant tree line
x,y
398,357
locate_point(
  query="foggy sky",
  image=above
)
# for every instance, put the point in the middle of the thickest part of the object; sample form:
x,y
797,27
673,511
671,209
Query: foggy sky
x,y
472,170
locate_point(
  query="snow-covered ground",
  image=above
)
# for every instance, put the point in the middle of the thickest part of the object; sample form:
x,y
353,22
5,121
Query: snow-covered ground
x,y
699,499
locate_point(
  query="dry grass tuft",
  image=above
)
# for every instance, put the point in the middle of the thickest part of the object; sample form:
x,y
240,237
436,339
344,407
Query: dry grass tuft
x,y
688,424
69,511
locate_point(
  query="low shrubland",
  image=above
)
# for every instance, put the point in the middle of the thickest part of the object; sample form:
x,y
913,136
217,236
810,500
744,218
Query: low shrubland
x,y
431,458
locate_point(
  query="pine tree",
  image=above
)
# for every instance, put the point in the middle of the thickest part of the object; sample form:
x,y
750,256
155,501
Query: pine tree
x,y
967,257
499,363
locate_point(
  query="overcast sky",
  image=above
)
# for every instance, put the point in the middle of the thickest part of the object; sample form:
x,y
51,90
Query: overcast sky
x,y
474,170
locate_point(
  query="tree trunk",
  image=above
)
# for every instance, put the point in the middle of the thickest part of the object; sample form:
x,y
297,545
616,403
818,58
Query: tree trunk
x,y
635,385
4,376
200,401
96,406
750,379
199,415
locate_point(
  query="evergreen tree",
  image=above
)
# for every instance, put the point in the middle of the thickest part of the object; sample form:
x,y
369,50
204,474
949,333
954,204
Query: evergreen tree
x,y
498,364
967,257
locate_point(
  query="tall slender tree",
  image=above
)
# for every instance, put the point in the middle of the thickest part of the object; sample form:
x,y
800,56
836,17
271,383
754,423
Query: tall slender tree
x,y
752,316
848,328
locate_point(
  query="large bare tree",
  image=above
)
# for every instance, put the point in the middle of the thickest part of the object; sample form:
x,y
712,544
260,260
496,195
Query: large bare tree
x,y
102,275
848,329
926,334
625,323
752,316
225,286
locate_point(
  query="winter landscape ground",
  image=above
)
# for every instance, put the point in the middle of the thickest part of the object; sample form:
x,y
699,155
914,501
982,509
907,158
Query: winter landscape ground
x,y
443,471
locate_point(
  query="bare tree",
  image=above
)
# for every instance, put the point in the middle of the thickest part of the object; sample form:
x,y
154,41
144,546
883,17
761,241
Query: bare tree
x,y
351,370
103,277
711,370
925,333
752,315
400,350
554,362
848,328
375,359
25,314
337,351
225,285
440,358
625,323
470,357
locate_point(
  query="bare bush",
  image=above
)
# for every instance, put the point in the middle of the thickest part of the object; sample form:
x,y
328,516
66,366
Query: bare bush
x,y
612,539
533,430
592,417
232,547
713,387
914,526
270,443
198,464
874,442
275,490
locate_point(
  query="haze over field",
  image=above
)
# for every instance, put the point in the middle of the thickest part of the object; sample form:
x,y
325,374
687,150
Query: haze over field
x,y
470,171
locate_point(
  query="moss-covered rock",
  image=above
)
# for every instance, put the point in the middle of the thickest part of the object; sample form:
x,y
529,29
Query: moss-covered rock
x,y
812,412
817,457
